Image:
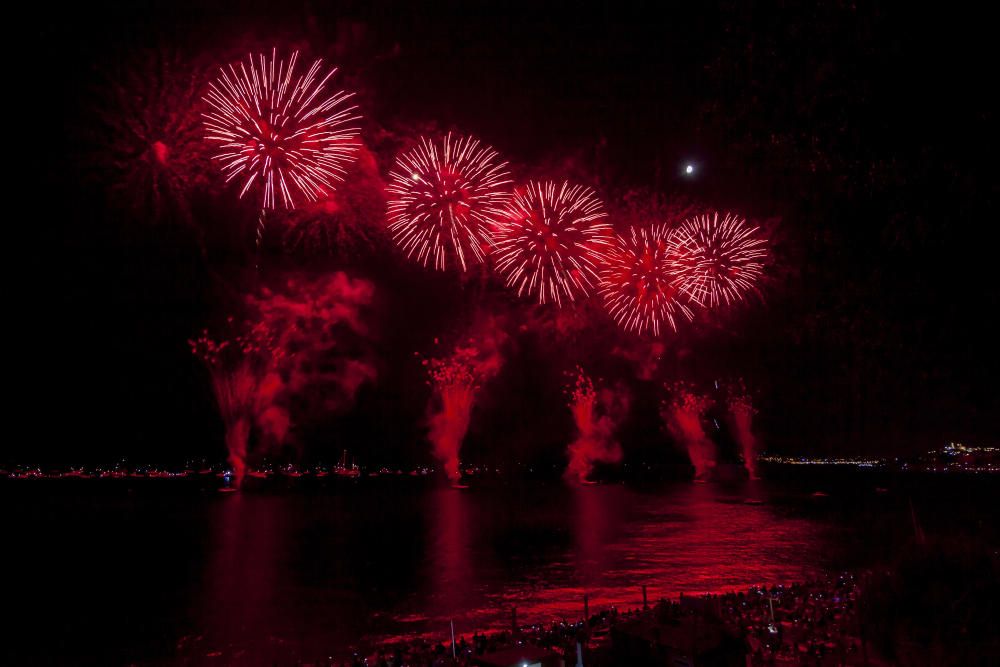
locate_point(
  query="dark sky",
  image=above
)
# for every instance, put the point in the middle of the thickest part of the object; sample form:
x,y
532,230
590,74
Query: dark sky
x,y
867,138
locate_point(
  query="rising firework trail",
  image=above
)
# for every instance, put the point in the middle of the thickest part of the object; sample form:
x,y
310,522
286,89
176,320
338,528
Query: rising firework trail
x,y
280,131
596,413
682,412
552,241
642,283
446,201
721,258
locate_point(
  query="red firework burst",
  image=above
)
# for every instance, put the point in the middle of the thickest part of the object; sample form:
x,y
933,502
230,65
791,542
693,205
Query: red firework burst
x,y
280,130
551,241
446,201
146,140
722,258
642,283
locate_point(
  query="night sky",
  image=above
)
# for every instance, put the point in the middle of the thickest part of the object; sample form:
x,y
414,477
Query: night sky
x,y
862,139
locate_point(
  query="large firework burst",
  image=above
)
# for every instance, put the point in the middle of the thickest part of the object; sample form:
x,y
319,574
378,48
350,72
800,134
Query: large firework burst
x,y
445,201
281,131
145,141
722,258
551,241
641,281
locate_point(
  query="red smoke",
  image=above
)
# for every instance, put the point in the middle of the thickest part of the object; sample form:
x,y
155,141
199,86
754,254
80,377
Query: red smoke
x,y
682,414
596,414
294,347
239,367
454,389
644,356
347,221
741,413
456,380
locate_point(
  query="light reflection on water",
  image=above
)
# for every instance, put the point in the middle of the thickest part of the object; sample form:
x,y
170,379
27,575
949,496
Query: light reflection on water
x,y
693,538
196,575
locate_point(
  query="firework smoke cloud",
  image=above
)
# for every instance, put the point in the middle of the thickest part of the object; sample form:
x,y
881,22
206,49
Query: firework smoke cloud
x,y
455,381
302,352
596,414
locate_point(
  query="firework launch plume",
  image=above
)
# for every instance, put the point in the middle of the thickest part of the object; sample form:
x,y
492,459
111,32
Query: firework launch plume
x,y
682,413
455,385
243,379
552,241
446,201
280,131
304,342
642,283
596,414
720,259
741,414
455,381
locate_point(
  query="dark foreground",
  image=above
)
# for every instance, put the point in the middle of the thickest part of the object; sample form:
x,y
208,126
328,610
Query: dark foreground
x,y
156,572
817,623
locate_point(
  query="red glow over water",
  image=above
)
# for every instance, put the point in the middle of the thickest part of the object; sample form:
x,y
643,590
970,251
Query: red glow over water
x,y
275,585
188,576
701,540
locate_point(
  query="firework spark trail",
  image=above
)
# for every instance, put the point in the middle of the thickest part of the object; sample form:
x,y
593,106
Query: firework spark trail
x,y
642,283
596,414
721,259
445,202
281,131
682,413
741,414
552,240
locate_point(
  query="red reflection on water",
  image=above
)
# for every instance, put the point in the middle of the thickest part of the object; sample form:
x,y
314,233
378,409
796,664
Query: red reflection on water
x,y
594,510
697,538
451,562
256,605
240,577
277,587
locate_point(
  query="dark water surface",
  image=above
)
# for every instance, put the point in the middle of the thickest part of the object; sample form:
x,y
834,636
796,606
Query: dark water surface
x,y
161,571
